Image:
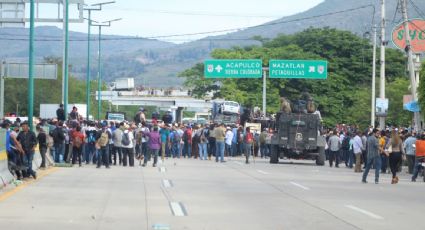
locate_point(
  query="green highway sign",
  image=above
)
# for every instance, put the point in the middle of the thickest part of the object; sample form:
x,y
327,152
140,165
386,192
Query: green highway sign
x,y
308,69
233,68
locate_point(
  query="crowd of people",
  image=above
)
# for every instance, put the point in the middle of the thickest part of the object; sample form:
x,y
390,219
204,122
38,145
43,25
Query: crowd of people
x,y
383,150
105,143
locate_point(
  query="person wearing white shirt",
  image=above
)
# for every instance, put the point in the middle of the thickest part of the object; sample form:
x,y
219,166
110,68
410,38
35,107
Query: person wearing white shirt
x,y
357,149
228,140
127,148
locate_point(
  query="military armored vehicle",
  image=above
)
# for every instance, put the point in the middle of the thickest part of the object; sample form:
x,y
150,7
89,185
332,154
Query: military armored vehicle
x,y
298,135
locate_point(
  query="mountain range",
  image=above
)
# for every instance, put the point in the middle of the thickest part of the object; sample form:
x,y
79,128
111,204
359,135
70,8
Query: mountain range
x,y
155,63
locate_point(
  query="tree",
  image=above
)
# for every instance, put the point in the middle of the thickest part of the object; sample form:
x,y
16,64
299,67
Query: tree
x,y
343,98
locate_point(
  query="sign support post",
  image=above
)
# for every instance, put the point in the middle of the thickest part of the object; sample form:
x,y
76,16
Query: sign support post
x,y
264,91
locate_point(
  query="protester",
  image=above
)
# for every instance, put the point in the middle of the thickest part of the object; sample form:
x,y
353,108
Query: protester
x,y
357,150
117,139
77,145
409,147
102,144
154,142
60,113
395,156
228,141
373,156
248,140
334,149
127,144
219,134
28,142
42,145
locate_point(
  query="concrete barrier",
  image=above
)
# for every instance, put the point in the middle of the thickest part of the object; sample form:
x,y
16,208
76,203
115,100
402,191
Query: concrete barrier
x,y
5,176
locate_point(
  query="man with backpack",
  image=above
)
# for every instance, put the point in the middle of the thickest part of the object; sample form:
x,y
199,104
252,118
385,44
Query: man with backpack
x,y
203,142
263,145
77,145
127,145
58,136
103,146
345,147
175,138
117,139
91,135
187,139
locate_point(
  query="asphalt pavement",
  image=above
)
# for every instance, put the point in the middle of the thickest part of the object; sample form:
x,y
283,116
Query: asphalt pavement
x,y
195,194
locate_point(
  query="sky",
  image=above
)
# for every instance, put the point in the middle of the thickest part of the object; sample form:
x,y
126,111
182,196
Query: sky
x,y
169,17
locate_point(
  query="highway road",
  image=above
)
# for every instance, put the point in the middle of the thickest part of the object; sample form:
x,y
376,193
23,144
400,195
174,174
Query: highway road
x,y
194,194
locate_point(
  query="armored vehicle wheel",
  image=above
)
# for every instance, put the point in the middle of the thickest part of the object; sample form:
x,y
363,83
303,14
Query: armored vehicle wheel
x,y
274,156
320,160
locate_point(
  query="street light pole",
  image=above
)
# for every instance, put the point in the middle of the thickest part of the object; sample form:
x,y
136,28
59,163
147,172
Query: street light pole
x,y
88,68
372,123
99,76
31,68
99,73
382,76
65,70
98,7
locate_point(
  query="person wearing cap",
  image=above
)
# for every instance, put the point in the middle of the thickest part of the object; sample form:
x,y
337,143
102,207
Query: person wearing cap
x,y
167,118
28,142
60,113
140,116
220,134
372,156
103,146
127,148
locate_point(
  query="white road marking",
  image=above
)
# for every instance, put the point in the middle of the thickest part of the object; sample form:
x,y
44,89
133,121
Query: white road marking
x,y
367,213
177,209
167,183
162,169
262,172
300,186
237,162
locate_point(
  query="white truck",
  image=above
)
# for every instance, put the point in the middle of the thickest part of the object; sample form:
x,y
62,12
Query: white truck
x,y
123,84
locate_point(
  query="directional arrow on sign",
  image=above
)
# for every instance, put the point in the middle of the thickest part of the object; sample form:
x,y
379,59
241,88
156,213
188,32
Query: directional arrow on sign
x,y
219,68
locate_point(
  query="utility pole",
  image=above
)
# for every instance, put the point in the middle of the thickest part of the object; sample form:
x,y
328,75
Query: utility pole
x,y
411,68
65,56
372,122
31,68
382,77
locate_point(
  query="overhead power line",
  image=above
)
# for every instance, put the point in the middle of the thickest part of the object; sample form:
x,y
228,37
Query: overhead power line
x,y
206,32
